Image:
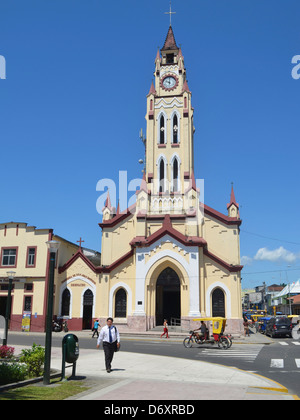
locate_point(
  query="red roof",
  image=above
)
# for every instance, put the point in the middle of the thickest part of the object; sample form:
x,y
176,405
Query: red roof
x,y
170,43
167,229
232,199
295,300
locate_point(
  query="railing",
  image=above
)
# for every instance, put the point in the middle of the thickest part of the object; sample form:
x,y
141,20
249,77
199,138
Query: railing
x,y
175,325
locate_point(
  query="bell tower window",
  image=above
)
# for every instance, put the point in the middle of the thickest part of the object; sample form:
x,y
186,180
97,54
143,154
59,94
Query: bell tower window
x,y
170,59
161,176
175,175
162,130
175,129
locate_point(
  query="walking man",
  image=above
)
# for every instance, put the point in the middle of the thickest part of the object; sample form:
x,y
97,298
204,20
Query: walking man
x,y
111,342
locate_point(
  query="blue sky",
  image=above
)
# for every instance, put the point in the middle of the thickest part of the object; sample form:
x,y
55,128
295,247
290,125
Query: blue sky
x,y
74,100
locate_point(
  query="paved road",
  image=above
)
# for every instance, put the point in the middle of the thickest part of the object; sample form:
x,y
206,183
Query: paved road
x,y
279,361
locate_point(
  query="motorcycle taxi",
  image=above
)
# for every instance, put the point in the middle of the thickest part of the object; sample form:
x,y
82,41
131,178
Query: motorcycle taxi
x,y
218,336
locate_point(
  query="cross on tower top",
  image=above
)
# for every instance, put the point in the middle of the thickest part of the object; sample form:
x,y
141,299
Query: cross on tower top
x,y
170,13
80,242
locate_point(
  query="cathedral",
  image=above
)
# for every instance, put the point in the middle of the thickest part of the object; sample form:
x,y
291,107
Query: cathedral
x,y
168,256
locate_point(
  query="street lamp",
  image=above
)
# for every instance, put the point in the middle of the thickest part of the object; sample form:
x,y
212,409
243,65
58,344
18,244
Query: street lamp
x,y
53,248
11,276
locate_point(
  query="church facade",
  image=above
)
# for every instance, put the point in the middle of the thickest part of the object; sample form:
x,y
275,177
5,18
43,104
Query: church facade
x,y
169,256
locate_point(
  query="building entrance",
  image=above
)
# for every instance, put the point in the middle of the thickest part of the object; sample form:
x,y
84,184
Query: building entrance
x,y
88,302
167,296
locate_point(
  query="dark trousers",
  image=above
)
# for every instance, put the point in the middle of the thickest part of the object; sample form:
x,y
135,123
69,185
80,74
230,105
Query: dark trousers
x,y
109,349
95,332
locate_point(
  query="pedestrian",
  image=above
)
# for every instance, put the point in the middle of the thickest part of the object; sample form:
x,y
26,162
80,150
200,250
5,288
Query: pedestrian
x,y
246,326
111,342
95,328
166,330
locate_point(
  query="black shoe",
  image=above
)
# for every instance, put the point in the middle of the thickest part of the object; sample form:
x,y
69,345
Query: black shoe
x,y
108,370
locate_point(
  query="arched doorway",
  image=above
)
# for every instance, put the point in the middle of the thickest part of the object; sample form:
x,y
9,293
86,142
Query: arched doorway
x,y
167,296
218,303
87,314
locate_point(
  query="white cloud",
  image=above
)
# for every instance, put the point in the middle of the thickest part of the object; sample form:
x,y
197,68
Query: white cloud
x,y
277,255
246,260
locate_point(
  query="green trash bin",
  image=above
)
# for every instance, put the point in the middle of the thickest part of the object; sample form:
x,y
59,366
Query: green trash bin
x,y
70,352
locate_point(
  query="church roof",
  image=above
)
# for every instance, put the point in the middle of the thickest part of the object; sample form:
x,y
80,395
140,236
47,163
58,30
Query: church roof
x,y
170,43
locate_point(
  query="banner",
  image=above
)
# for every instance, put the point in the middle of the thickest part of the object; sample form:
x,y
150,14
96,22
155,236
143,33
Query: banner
x,y
26,321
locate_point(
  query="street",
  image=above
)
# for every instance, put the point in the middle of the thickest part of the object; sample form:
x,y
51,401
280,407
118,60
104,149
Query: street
x,y
279,360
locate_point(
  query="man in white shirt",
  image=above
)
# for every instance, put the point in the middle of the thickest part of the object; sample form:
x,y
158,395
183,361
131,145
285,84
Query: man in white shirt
x,y
111,341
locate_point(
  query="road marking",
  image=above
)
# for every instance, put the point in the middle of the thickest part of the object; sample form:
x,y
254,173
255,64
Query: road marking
x,y
283,343
248,354
297,363
277,363
297,343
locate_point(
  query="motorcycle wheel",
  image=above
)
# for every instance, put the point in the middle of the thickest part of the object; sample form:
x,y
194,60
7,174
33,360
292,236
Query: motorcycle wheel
x,y
224,343
188,342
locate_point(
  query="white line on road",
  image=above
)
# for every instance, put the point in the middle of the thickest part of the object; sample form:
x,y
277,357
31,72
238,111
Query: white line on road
x,y
297,343
297,362
277,363
283,343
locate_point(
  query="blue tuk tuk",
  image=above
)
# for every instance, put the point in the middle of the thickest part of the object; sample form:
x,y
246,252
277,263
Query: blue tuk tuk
x,y
263,324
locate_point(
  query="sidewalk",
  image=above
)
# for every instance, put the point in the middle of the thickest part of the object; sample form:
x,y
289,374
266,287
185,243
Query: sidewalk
x,y
148,377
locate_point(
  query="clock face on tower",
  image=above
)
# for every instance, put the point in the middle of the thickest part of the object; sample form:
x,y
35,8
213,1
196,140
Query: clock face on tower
x,y
169,82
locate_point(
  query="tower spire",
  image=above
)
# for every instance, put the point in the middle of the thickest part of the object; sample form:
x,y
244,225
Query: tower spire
x,y
233,207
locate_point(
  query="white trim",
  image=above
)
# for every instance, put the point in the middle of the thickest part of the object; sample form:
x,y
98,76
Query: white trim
x,y
158,127
191,268
112,291
226,291
64,286
158,161
82,298
60,301
175,156
175,112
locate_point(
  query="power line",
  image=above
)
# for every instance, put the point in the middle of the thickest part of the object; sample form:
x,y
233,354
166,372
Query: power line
x,y
272,271
268,237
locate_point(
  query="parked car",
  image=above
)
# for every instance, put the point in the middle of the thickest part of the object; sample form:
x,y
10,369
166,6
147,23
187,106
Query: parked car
x,y
279,326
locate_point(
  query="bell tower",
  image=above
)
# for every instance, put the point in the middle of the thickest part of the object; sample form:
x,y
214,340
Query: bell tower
x,y
169,146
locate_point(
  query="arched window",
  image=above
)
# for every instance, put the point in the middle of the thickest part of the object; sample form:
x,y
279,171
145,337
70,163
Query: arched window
x,y
65,303
162,176
218,303
121,304
162,130
175,129
175,175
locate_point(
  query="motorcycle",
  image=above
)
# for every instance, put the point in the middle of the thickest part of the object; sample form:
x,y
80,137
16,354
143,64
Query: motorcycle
x,y
58,326
224,341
